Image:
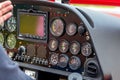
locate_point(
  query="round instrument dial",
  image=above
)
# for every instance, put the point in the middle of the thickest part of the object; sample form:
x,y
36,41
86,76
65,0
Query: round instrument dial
x,y
63,60
1,39
57,27
63,46
86,49
11,41
11,24
75,47
71,29
74,63
53,44
54,58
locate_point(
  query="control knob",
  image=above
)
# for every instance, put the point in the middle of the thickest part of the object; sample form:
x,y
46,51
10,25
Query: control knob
x,y
75,76
21,50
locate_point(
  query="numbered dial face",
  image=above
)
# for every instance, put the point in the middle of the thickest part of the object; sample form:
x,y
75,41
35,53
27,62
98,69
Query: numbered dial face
x,y
54,58
53,44
86,49
74,63
75,47
11,41
63,60
71,29
11,24
57,27
63,47
1,39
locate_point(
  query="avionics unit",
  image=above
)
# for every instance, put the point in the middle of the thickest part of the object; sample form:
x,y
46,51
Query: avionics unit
x,y
32,25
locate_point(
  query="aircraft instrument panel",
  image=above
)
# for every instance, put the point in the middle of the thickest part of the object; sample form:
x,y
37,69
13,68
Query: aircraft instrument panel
x,y
51,38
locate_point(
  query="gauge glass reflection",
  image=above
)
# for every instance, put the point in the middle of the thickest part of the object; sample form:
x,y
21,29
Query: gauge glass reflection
x,y
1,39
63,47
71,29
11,41
53,44
75,47
63,60
74,63
57,27
11,24
86,49
54,59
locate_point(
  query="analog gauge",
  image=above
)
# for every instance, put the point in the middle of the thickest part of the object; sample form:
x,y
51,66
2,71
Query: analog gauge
x,y
57,27
54,58
75,47
53,44
71,29
11,24
1,39
1,25
63,60
63,46
11,41
74,63
86,49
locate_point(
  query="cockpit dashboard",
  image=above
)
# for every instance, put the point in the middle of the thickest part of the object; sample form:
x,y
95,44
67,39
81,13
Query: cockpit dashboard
x,y
61,41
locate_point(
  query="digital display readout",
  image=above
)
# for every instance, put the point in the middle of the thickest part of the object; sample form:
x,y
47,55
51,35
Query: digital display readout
x,y
32,26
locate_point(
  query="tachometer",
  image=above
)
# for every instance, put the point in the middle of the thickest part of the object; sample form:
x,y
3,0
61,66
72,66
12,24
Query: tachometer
x,y
11,41
1,39
57,27
71,29
11,24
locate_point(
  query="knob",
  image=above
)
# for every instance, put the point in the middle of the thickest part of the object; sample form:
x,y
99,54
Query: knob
x,y
75,76
43,61
37,60
21,50
81,29
34,60
16,57
22,58
46,62
40,60
28,58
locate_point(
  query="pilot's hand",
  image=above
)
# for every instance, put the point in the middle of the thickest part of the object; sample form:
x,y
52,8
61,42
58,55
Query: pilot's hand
x,y
5,11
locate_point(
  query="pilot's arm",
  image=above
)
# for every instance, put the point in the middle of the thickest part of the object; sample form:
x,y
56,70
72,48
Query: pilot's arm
x,y
9,70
